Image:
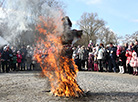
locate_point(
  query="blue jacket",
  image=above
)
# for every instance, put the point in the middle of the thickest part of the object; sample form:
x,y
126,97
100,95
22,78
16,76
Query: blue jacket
x,y
112,52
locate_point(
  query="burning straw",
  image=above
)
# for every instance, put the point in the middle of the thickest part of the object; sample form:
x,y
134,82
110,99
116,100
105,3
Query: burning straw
x,y
55,59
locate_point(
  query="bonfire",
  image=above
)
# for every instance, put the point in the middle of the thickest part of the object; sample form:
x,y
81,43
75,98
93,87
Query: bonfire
x,y
54,53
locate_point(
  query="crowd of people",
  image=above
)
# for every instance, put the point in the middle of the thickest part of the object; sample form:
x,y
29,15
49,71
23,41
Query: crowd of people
x,y
13,59
110,58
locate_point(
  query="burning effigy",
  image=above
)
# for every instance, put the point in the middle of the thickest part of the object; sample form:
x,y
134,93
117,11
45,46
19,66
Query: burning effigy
x,y
54,53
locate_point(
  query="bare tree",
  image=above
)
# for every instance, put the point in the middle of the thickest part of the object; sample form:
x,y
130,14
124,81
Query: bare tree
x,y
106,36
130,37
90,24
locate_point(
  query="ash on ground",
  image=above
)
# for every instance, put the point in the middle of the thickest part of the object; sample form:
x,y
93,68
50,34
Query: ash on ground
x,y
100,87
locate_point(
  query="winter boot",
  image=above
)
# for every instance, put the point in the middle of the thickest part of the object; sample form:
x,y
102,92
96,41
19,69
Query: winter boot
x,y
133,72
136,73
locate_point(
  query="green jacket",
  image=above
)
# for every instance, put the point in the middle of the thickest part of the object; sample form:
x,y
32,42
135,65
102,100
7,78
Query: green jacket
x,y
14,59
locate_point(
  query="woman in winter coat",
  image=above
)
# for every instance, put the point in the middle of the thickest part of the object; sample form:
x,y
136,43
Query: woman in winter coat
x,y
100,57
19,59
129,52
118,51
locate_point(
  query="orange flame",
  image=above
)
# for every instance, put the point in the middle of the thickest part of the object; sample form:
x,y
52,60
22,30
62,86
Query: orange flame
x,y
60,69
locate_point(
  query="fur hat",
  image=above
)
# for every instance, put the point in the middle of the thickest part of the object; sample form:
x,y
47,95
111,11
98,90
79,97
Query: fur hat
x,y
134,54
5,48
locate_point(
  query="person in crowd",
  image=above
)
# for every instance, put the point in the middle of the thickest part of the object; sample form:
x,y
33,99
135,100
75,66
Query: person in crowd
x,y
83,56
121,67
123,57
100,57
79,48
90,46
23,61
106,58
10,55
13,48
126,46
134,63
87,55
118,59
19,60
97,48
29,57
32,66
5,58
95,60
90,43
14,61
119,49
90,62
0,61
79,60
23,53
128,54
136,46
75,54
33,63
112,58
132,44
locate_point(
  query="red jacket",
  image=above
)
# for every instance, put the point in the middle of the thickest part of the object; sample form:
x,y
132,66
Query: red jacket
x,y
119,49
19,58
118,52
129,56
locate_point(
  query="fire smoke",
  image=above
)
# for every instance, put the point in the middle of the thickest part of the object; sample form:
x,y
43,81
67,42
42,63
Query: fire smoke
x,y
21,16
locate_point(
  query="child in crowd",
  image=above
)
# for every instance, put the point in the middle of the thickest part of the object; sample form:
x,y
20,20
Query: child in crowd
x,y
134,63
119,59
95,60
121,67
19,59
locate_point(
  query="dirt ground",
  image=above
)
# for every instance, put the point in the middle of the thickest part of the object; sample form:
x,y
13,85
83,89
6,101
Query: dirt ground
x,y
28,86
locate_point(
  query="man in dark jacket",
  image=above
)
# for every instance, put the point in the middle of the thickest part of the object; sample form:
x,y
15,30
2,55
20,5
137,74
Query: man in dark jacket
x,y
112,58
136,46
23,53
5,58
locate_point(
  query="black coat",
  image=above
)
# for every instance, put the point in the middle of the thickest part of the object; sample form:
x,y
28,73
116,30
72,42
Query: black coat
x,y
105,56
136,49
122,56
5,56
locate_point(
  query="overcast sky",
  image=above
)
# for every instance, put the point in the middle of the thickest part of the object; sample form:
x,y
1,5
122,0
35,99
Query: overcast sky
x,y
121,15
